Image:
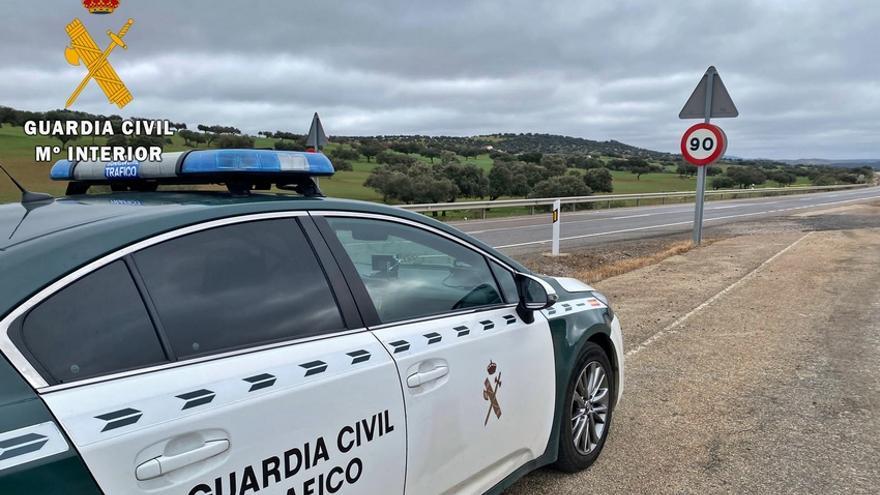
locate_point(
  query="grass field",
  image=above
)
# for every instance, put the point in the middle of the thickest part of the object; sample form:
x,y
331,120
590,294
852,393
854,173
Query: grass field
x,y
17,154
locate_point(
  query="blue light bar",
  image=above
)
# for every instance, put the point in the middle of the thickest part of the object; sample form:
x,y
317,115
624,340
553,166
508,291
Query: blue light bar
x,y
208,166
213,161
62,170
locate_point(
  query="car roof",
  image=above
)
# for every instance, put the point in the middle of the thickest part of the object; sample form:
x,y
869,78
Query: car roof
x,y
41,243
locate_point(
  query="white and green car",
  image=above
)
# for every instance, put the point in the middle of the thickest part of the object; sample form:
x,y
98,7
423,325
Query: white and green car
x,y
232,343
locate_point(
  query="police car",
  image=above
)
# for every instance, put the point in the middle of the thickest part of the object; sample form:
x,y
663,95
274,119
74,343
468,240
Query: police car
x,y
241,342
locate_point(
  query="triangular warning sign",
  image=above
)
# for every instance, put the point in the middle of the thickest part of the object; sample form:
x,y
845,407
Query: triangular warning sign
x,y
316,138
722,104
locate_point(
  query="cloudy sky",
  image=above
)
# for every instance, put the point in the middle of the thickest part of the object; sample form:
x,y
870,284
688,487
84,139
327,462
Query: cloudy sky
x,y
805,75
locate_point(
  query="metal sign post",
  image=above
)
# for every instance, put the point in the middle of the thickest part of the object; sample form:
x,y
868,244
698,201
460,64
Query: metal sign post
x,y
709,99
701,171
556,208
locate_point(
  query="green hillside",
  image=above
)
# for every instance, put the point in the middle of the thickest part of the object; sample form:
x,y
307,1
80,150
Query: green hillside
x,y
17,154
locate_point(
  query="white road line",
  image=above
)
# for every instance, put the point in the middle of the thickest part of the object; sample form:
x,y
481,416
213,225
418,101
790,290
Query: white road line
x,y
671,328
570,222
648,227
633,216
597,234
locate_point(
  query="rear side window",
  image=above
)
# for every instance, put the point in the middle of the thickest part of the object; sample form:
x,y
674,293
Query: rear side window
x,y
94,326
238,285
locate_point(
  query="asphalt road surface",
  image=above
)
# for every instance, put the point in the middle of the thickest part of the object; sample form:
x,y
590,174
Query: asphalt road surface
x,y
533,233
752,367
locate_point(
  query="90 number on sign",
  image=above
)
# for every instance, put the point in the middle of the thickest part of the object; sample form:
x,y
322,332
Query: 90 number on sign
x,y
703,144
708,144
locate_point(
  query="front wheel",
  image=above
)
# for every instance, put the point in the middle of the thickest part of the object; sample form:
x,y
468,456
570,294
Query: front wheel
x,y
587,415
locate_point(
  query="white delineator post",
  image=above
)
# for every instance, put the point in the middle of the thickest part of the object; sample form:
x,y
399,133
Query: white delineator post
x,y
557,206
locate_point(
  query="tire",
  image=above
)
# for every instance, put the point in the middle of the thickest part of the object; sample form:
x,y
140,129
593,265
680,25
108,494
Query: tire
x,y
594,416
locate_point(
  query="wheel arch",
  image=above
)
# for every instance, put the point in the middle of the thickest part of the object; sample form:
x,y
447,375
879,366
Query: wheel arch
x,y
604,341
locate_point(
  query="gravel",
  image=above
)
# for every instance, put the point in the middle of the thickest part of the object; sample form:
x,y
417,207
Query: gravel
x,y
774,387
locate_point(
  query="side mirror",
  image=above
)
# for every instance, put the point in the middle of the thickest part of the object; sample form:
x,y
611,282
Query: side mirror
x,y
534,295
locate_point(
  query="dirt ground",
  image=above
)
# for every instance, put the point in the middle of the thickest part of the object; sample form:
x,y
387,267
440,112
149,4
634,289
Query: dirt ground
x,y
752,363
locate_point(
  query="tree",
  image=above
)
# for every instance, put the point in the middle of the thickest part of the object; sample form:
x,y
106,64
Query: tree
x,y
471,152
746,176
7,115
191,138
865,174
341,165
561,186
209,135
447,157
599,180
500,180
416,183
645,168
554,165
501,156
532,172
431,153
723,182
637,166
531,157
287,136
283,145
370,149
233,141
782,177
470,179
392,158
507,179
686,170
344,153
583,161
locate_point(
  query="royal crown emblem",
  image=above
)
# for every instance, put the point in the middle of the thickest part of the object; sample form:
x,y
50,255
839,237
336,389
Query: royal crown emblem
x,y
100,6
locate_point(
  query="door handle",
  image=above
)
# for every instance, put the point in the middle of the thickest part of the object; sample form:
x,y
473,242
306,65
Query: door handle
x,y
422,377
165,464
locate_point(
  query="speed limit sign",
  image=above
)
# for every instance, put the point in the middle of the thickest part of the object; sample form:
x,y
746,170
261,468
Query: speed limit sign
x,y
703,144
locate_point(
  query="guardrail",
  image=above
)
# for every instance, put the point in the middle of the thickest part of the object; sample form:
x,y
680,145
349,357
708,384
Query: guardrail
x,y
611,198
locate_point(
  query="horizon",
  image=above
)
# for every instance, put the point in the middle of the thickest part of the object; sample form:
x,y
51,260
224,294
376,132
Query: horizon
x,y
192,126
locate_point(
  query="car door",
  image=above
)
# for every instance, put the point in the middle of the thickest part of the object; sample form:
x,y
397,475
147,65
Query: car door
x,y
226,359
478,381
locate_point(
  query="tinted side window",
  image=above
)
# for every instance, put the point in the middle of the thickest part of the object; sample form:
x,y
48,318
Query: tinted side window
x,y
95,326
238,285
506,281
411,273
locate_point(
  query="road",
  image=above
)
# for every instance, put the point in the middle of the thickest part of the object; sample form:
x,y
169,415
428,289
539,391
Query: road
x,y
532,233
751,368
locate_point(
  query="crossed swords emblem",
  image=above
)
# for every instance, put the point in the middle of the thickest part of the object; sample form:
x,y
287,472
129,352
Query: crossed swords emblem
x,y
84,49
491,394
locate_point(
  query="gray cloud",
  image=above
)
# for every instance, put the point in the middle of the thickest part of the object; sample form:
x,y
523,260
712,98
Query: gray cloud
x,y
803,74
